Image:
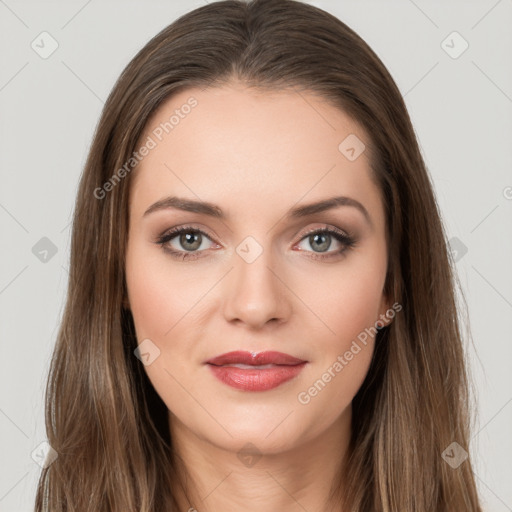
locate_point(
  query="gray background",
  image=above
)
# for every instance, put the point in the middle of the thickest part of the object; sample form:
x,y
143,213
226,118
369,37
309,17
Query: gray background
x,y
461,109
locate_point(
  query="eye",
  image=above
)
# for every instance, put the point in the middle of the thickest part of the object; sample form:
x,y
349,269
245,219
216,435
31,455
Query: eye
x,y
189,242
321,240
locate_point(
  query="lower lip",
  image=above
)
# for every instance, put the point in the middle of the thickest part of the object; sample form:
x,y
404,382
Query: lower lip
x,y
256,380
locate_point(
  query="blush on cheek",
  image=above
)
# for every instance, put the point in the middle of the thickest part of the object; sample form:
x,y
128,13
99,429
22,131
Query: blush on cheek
x,y
156,302
350,310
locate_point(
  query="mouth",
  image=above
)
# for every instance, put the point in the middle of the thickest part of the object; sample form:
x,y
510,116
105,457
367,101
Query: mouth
x,y
249,371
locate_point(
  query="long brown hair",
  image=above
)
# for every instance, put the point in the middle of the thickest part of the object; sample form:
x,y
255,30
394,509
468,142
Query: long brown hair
x,y
103,417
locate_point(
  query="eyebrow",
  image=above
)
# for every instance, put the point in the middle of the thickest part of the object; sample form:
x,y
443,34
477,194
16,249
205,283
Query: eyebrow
x,y
212,210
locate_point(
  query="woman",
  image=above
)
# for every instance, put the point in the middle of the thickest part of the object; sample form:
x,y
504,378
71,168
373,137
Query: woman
x,y
261,308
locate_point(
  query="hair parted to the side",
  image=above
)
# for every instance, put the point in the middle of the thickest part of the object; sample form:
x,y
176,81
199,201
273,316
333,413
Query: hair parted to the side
x,y
103,417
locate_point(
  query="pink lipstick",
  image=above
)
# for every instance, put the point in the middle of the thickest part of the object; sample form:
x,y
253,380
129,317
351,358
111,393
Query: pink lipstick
x,y
255,372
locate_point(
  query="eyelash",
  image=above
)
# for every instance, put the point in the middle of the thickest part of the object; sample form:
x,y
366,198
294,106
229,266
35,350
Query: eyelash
x,y
347,240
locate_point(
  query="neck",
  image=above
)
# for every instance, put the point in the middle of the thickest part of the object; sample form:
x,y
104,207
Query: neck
x,y
300,479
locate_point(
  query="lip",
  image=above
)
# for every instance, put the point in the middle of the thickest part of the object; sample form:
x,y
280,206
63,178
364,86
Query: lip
x,y
282,368
253,358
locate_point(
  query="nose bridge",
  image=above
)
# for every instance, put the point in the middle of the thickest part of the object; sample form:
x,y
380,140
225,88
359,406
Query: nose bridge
x,y
254,293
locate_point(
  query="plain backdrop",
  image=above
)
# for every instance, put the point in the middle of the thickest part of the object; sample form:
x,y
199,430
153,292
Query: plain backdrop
x,y
460,101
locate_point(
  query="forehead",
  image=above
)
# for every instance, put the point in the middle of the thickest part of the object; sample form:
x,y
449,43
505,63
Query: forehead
x,y
247,148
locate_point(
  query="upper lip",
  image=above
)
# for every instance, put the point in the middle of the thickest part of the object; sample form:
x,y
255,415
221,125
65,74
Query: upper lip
x,y
261,358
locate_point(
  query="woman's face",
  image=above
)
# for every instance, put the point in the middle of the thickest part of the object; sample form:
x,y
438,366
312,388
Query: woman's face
x,y
257,278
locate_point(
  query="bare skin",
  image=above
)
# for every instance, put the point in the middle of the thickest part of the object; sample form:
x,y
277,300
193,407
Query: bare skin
x,y
256,156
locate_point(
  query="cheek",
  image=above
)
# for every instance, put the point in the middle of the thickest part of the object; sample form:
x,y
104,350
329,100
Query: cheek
x,y
159,294
162,305
343,355
346,299
344,345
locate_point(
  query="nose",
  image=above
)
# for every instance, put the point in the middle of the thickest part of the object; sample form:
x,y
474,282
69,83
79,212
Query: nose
x,y
255,293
